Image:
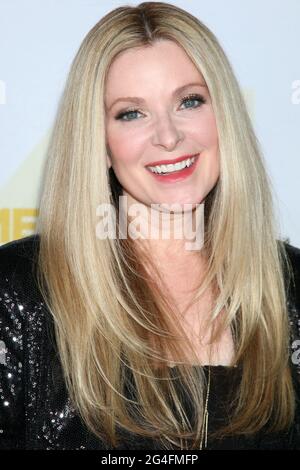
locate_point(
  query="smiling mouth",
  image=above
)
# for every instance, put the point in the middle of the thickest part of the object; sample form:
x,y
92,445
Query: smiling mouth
x,y
165,170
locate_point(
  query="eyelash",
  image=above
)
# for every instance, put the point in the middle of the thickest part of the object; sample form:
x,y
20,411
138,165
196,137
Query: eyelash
x,y
190,97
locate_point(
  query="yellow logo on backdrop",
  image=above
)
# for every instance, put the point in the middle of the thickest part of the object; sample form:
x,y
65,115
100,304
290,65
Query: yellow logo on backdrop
x,y
19,195
17,223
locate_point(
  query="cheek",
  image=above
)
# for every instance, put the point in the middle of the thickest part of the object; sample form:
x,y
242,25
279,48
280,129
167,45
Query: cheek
x,y
124,147
206,130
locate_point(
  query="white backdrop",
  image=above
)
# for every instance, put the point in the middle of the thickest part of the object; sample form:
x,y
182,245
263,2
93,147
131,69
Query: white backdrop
x,y
39,38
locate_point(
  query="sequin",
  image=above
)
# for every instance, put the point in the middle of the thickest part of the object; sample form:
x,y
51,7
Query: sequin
x,y
35,409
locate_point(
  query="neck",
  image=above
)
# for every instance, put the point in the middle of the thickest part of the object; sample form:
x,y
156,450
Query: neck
x,y
168,237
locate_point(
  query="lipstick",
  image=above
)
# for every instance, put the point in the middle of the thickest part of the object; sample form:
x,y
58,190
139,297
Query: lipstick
x,y
170,162
178,175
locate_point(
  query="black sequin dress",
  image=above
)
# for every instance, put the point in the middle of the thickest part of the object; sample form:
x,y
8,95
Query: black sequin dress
x,y
35,409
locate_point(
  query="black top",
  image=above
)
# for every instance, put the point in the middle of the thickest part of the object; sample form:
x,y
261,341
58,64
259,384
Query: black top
x,y
35,409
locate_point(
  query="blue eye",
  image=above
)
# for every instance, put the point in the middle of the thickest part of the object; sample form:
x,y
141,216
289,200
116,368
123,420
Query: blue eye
x,y
186,99
191,98
120,116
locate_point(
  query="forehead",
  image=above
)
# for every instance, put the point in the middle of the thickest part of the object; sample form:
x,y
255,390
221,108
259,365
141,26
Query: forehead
x,y
163,62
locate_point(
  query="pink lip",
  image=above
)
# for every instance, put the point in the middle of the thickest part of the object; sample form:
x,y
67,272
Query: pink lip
x,y
167,162
177,175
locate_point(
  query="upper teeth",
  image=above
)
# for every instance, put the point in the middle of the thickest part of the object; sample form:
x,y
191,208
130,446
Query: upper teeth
x,y
169,168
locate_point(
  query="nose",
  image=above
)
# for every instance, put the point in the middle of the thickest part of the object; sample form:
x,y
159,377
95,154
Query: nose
x,y
166,133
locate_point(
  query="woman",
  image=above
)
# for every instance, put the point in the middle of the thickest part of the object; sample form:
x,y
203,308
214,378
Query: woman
x,y
139,342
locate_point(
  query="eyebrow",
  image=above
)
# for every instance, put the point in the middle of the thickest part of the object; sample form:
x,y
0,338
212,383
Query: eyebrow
x,y
137,100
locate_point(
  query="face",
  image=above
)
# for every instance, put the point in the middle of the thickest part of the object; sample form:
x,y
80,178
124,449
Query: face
x,y
172,118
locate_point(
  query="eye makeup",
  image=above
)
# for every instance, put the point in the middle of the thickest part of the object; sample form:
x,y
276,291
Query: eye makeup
x,y
189,97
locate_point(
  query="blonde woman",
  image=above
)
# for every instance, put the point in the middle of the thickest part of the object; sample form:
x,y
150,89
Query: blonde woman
x,y
138,342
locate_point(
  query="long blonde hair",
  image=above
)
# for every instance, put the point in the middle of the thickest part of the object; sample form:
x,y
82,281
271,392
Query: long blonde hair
x,y
110,318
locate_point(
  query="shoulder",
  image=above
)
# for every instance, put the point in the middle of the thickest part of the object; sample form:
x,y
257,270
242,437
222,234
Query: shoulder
x,y
18,260
18,284
293,253
19,251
